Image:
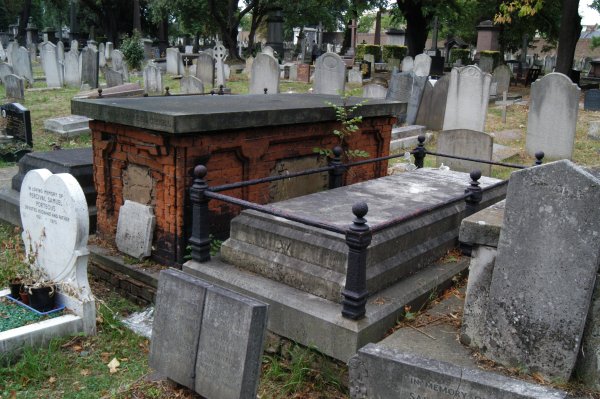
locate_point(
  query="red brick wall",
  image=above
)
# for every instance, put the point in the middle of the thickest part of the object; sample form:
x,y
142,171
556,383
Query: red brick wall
x,y
230,156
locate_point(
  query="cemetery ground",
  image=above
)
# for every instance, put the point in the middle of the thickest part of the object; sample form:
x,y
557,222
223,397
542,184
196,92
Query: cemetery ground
x,y
77,367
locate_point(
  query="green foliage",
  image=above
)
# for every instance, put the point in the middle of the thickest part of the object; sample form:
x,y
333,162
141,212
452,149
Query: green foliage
x,y
11,254
495,55
362,49
463,54
133,50
595,42
394,51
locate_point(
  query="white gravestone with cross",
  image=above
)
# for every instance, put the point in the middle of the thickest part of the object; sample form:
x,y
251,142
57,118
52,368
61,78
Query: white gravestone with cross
x,y
55,220
220,55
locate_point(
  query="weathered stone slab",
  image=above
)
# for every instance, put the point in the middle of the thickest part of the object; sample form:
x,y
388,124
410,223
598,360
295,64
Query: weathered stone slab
x,y
414,102
422,65
51,65
218,352
5,70
502,75
18,122
591,101
119,64
135,229
535,318
374,90
101,55
407,64
205,69
15,87
468,97
125,90
152,79
191,85
173,56
69,126
265,75
113,78
465,143
330,74
552,116
72,68
89,67
22,65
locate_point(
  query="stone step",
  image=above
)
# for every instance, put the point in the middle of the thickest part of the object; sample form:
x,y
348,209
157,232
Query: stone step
x,y
408,143
407,131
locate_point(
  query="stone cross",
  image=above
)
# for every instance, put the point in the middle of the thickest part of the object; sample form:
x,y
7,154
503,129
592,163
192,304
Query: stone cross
x,y
220,54
186,61
504,104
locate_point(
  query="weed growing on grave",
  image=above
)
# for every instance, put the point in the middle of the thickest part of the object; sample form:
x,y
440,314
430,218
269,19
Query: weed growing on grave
x,y
349,124
11,254
133,50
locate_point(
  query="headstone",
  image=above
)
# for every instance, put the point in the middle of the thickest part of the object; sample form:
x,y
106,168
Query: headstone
x,y
101,56
407,64
68,126
205,69
72,71
374,90
74,45
219,54
113,78
5,70
408,88
18,122
191,85
422,65
591,100
32,50
502,75
355,75
536,315
22,65
468,97
55,219
218,348
15,87
173,61
248,67
293,72
60,48
189,49
393,63
552,117
10,49
330,74
425,108
416,95
52,67
465,143
135,229
108,49
486,64
2,53
89,67
594,130
269,51
119,64
265,75
152,79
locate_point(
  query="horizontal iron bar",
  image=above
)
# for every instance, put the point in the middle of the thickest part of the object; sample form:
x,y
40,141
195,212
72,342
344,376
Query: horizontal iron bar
x,y
510,165
272,211
231,186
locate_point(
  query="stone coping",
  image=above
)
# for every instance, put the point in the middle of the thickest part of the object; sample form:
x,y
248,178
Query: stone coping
x,y
190,114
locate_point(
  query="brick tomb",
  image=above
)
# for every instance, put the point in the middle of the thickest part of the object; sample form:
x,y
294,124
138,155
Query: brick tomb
x,y
145,150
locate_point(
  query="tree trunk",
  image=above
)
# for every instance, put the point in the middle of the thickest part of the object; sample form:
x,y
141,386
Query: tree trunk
x,y
24,18
377,39
163,36
416,26
137,20
570,29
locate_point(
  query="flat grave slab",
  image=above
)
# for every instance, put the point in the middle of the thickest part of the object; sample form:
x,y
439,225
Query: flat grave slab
x,y
69,126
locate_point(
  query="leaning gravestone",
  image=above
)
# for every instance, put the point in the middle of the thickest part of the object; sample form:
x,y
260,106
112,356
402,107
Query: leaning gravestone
x,y
152,79
205,69
51,65
502,75
468,97
591,101
465,143
422,65
265,75
89,67
135,228
218,346
15,87
552,116
416,96
437,109
22,65
536,313
72,73
330,74
5,70
191,85
408,88
407,64
18,122
113,78
119,64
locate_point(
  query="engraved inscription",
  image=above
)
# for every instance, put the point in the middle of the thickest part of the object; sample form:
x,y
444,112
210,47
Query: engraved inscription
x,y
46,205
440,390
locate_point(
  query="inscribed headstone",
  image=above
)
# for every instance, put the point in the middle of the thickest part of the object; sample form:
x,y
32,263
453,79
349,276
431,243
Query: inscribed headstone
x,y
591,101
265,75
18,122
89,67
72,71
108,49
468,97
465,143
189,49
355,75
502,75
422,65
552,117
191,85
374,90
407,64
2,53
330,74
55,219
173,61
52,67
113,78
60,48
205,69
486,64
101,55
10,49
152,79
5,70
218,350
15,87
119,64
545,269
135,228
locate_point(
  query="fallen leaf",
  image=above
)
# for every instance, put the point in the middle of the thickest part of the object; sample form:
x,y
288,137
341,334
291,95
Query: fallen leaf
x,y
113,365
124,359
85,372
51,380
105,356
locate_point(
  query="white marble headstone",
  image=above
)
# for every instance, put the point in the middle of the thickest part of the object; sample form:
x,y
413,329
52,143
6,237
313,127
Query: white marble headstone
x,y
135,229
54,215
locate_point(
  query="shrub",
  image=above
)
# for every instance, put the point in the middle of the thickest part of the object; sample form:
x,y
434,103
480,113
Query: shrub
x,y
463,54
133,50
362,49
394,51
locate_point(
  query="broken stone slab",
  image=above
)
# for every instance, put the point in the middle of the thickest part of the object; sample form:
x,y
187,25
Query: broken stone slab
x,y
135,229
69,126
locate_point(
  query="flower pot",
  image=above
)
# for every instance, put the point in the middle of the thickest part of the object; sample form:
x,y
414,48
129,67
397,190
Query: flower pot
x,y
16,286
42,299
24,297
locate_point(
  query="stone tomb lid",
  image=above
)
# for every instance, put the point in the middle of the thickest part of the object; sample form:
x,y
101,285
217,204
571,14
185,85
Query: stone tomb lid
x,y
189,114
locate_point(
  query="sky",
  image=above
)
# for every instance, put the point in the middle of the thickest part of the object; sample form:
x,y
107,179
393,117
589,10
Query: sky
x,y
589,16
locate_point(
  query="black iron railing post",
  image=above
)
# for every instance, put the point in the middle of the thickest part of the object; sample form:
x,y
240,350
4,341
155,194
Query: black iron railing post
x,y
539,158
336,175
200,240
419,152
358,238
475,193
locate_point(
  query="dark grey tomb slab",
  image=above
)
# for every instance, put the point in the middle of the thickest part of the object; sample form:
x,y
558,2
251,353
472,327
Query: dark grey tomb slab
x,y
591,101
207,338
18,122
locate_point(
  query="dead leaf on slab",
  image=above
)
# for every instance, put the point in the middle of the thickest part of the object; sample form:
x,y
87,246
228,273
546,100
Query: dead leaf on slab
x,y
85,372
113,365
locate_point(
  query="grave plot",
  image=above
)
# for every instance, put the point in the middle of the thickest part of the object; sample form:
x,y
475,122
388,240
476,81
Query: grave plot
x,y
55,232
